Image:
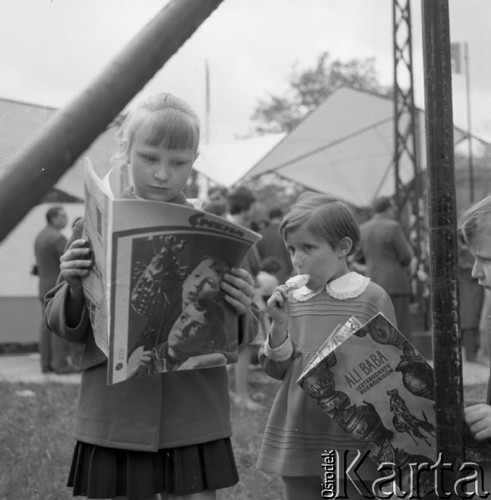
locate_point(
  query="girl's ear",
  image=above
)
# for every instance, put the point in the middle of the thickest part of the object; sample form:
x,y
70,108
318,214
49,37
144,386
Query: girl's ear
x,y
345,246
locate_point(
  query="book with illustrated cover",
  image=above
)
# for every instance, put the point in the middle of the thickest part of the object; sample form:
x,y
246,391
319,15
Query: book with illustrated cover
x,y
154,291
373,382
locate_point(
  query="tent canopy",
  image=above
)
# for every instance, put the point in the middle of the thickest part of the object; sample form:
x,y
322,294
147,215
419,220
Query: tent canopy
x,y
345,148
226,162
20,121
222,162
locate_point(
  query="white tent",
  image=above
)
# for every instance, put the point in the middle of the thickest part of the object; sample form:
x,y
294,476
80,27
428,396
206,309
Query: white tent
x,y
20,308
345,148
20,121
226,162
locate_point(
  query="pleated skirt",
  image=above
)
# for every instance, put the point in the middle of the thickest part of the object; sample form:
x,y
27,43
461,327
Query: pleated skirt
x,y
99,472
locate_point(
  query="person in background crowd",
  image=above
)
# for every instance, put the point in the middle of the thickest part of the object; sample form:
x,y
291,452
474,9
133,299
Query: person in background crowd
x,y
267,279
217,201
49,246
266,282
272,245
240,203
387,254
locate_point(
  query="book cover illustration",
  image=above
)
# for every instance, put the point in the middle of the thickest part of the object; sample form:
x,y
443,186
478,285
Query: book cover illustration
x,y
379,389
154,293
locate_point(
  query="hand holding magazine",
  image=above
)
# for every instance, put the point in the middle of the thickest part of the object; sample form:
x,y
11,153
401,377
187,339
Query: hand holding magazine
x,y
154,291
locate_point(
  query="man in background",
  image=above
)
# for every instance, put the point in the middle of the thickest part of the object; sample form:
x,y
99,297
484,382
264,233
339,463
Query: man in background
x,y
49,246
217,201
387,254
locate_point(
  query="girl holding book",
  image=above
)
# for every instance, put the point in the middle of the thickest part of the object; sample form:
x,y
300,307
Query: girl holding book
x,y
320,236
165,433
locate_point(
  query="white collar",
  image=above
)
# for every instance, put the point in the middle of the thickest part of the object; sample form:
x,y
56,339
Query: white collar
x,y
345,287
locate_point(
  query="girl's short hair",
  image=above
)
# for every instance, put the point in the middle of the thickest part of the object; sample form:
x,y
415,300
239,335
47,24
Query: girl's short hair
x,y
323,217
475,220
172,121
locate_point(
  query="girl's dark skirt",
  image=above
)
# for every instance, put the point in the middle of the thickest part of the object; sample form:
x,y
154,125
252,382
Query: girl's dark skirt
x,y
98,472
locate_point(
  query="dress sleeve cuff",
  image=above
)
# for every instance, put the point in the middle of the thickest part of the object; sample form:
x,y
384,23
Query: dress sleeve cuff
x,y
281,353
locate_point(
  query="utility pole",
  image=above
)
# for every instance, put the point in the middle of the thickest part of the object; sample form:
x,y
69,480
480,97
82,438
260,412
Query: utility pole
x,y
443,231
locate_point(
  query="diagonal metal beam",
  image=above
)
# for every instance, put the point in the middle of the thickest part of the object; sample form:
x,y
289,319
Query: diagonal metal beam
x,y
30,173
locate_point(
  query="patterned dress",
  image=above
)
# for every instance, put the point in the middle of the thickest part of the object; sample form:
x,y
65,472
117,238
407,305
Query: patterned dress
x,y
297,431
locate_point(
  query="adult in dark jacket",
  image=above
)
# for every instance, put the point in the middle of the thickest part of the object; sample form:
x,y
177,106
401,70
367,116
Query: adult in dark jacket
x,y
387,255
49,246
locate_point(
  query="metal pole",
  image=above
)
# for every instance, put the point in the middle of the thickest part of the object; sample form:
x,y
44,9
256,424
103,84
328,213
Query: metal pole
x,y
30,174
469,124
442,230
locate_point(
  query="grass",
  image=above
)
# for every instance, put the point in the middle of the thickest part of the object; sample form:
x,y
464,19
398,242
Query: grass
x,y
35,432
36,441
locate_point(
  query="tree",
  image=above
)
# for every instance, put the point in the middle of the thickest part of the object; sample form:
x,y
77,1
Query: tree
x,y
310,87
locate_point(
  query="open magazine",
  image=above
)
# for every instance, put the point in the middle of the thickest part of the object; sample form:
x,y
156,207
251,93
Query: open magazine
x,y
153,293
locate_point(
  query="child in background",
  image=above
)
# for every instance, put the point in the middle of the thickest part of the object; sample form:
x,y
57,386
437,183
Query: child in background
x,y
266,282
267,278
320,235
166,433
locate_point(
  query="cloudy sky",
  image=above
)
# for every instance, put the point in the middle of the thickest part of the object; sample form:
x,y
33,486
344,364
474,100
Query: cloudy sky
x,y
50,50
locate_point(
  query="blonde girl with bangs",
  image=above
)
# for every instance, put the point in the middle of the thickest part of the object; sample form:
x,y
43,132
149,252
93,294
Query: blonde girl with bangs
x,y
164,435
320,235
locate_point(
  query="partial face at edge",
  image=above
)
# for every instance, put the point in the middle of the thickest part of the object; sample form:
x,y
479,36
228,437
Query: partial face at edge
x,y
481,250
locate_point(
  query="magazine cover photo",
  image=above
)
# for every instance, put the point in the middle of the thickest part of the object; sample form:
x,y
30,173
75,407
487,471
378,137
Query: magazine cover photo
x,y
177,318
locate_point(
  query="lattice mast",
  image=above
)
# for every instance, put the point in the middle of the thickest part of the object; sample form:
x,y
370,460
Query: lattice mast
x,y
409,197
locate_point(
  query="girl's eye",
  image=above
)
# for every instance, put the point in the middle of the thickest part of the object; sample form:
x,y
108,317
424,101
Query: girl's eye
x,y
307,248
148,157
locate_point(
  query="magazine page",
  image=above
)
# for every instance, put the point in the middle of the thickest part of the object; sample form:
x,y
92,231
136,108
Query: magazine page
x,y
380,390
98,200
167,310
